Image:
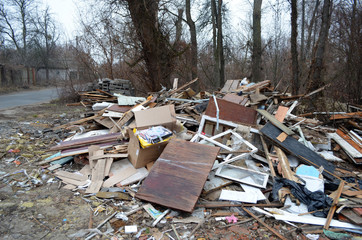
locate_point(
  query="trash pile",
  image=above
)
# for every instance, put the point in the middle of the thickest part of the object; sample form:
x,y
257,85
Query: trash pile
x,y
189,163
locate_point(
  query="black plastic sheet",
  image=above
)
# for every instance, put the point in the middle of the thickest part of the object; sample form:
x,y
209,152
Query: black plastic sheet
x,y
314,200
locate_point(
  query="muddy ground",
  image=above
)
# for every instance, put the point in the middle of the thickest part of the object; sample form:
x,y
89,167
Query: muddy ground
x,y
37,207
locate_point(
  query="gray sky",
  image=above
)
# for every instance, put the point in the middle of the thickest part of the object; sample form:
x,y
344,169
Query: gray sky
x,y
66,14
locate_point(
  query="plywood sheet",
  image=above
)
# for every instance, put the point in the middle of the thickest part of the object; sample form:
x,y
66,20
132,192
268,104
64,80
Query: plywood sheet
x,y
179,174
241,100
233,112
292,146
86,141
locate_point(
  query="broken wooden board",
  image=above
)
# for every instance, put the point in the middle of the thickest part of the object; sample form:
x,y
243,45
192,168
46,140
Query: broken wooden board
x,y
113,195
346,116
275,121
120,176
233,112
281,113
231,85
252,87
293,147
352,216
348,138
141,173
75,176
352,152
106,122
86,141
179,174
241,100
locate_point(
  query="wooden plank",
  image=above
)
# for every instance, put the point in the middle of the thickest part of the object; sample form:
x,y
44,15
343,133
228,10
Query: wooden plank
x,y
79,121
141,173
227,86
115,155
352,216
86,141
179,174
182,87
119,176
349,140
351,193
75,176
97,176
107,168
234,85
346,116
354,153
286,171
72,181
259,85
292,146
281,113
104,122
276,123
270,162
233,112
334,205
234,98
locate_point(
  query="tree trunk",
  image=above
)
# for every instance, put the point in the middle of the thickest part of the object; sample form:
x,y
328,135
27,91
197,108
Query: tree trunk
x,y
294,50
156,50
192,27
302,55
256,56
178,24
310,29
220,46
214,42
315,78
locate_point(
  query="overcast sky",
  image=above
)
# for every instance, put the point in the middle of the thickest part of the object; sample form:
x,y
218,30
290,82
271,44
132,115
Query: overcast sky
x,y
66,14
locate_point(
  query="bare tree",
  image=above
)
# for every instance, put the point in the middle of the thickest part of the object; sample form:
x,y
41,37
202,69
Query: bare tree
x,y
16,16
257,51
294,50
44,39
315,78
156,49
193,37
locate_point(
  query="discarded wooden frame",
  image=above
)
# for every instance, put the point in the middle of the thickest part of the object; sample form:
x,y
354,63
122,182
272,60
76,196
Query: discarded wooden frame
x,y
198,136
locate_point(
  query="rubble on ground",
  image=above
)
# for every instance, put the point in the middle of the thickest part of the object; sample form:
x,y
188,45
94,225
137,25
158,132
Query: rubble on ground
x,y
235,164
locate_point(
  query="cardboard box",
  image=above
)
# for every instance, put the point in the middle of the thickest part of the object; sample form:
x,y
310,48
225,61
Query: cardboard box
x,y
160,116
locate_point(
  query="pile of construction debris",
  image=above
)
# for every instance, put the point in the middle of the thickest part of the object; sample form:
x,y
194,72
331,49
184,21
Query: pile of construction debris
x,y
214,159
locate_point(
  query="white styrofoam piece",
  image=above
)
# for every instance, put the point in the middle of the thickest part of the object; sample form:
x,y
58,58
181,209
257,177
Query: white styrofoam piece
x,y
130,229
254,191
238,196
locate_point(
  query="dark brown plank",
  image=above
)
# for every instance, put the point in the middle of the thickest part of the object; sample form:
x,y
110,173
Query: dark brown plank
x,y
292,146
179,174
233,112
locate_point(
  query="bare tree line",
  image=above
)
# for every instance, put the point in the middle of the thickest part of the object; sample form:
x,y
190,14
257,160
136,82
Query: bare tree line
x,y
153,41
